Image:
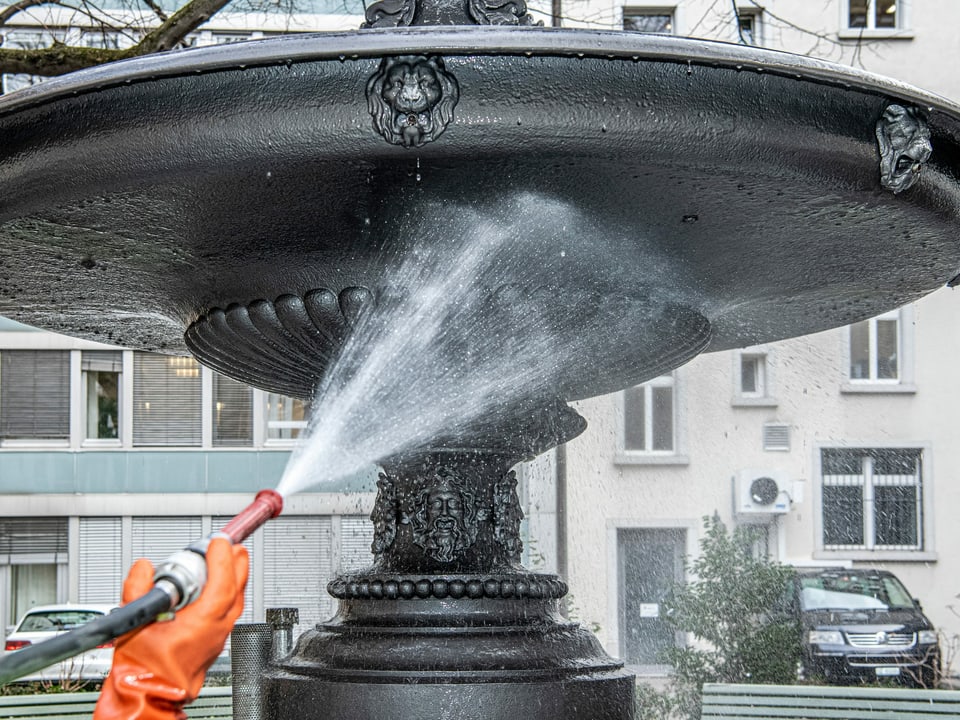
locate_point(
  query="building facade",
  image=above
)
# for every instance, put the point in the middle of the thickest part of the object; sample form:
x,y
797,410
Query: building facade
x,y
852,426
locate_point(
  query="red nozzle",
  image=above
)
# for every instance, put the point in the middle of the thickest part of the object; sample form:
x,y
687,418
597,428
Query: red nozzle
x,y
265,506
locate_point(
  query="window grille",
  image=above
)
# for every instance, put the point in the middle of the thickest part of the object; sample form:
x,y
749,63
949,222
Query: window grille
x,y
872,498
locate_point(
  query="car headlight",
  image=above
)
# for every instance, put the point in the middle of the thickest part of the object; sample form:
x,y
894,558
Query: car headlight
x,y
927,637
825,637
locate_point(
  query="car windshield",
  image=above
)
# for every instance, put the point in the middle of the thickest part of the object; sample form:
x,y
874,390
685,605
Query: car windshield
x,y
56,620
853,592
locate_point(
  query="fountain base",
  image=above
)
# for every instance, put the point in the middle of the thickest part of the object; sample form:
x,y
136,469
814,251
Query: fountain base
x,y
481,659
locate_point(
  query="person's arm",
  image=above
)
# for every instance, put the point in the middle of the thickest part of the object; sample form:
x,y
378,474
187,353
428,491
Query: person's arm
x,y
160,667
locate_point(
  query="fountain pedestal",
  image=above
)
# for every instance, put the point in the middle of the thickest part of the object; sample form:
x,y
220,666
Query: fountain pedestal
x,y
447,623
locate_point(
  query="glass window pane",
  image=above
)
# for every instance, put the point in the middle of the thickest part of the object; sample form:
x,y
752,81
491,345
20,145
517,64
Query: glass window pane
x,y
634,420
662,418
750,375
895,461
747,29
860,351
842,461
286,417
887,350
103,405
896,515
232,412
858,13
886,16
659,23
843,515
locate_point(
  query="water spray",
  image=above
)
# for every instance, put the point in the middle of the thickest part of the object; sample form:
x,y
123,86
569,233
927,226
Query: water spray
x,y
178,581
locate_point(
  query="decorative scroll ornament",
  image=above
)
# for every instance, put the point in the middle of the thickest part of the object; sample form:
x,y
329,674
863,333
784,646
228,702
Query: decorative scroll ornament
x,y
500,12
390,13
411,99
904,140
445,517
507,515
384,516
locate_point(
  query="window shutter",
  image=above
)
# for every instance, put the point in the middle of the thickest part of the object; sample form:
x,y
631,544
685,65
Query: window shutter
x,y
166,401
33,536
157,538
297,566
35,394
356,536
102,361
232,412
101,577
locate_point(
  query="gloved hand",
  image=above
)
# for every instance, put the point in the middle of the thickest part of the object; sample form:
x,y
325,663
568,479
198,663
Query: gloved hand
x,y
159,668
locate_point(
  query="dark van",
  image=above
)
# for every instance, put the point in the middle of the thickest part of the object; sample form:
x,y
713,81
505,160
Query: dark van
x,y
863,626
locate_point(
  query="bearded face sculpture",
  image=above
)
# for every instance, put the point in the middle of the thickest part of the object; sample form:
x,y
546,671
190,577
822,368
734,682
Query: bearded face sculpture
x,y
411,99
904,141
444,521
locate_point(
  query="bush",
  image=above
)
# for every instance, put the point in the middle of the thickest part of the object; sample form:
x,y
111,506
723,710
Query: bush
x,y
735,606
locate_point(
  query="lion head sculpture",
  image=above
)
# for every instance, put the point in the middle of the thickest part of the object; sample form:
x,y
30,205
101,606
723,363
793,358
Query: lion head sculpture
x,y
411,99
904,141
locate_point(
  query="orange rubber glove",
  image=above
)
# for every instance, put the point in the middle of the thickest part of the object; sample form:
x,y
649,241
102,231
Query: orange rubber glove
x,y
159,668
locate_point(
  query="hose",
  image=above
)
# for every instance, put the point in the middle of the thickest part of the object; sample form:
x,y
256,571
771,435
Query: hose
x,y
96,632
178,581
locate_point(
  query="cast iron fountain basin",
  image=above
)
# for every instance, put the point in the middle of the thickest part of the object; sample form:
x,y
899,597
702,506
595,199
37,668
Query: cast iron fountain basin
x,y
251,202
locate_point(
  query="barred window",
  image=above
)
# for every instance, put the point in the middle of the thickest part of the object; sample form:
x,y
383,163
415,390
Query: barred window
x,y
872,498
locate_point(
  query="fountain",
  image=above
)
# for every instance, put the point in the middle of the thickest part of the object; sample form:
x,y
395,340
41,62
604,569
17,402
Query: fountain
x,y
657,196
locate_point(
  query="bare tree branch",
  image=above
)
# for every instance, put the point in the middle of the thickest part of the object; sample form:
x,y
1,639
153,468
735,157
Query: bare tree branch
x,y
10,10
157,10
183,22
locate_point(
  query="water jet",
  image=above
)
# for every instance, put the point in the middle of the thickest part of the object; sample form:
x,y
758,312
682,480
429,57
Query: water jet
x,y
252,203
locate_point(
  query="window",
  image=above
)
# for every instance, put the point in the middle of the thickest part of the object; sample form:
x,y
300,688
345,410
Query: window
x,y
659,22
648,413
875,349
872,498
34,395
753,375
101,394
286,417
873,14
166,401
748,27
33,552
232,412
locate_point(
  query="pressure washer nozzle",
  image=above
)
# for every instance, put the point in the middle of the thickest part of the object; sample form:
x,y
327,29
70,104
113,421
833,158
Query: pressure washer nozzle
x,y
265,506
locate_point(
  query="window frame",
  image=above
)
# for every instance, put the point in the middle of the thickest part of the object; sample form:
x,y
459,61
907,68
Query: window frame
x,y
903,29
755,14
764,397
926,552
85,439
675,456
654,7
906,342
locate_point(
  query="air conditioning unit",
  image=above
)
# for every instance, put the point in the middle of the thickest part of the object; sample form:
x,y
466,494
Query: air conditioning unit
x,y
761,492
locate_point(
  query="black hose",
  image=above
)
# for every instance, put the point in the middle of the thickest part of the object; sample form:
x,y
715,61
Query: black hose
x,y
86,637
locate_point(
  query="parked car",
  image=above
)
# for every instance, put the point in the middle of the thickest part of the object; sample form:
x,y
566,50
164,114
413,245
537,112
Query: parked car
x,y
46,621
864,626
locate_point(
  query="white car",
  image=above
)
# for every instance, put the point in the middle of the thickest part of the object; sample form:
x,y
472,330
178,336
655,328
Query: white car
x,y
47,621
